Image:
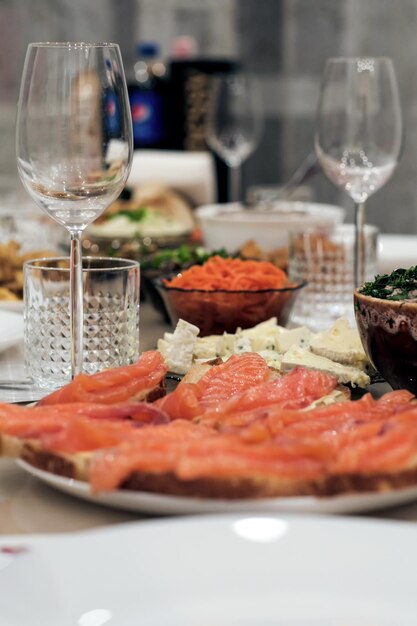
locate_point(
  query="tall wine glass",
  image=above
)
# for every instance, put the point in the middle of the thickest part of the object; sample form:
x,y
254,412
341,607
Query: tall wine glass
x,y
234,123
359,133
74,144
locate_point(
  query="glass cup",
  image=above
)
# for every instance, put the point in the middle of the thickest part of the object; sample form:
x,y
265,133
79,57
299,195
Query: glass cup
x,y
325,259
111,313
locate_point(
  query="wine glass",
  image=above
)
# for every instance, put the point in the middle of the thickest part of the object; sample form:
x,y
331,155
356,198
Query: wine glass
x,y
74,145
234,122
359,133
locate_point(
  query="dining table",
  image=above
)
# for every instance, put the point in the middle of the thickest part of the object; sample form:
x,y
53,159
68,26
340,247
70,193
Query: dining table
x,y
29,506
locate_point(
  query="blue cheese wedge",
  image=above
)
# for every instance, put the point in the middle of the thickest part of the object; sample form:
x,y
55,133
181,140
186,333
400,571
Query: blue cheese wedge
x,y
177,348
272,358
346,374
300,336
207,348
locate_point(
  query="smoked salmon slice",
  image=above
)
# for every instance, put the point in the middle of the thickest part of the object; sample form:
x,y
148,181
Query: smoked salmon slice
x,y
116,385
155,450
296,390
82,435
219,384
32,422
361,436
197,454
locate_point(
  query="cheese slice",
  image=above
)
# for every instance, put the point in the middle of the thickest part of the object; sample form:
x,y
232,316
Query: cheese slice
x,y
340,343
207,347
177,348
300,336
346,374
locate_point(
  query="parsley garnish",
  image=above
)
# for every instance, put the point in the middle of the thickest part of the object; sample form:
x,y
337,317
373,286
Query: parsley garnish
x,y
394,286
181,257
134,215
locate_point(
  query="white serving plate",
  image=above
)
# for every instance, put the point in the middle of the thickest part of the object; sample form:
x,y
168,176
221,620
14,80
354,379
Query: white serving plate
x,y
15,306
11,329
214,571
143,502
231,225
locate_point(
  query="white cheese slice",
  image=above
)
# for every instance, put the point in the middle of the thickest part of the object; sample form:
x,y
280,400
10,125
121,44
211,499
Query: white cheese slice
x,y
272,358
242,344
303,357
299,336
178,348
262,327
340,343
207,347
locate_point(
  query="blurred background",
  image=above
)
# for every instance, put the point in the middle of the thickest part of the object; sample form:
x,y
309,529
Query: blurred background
x,y
284,42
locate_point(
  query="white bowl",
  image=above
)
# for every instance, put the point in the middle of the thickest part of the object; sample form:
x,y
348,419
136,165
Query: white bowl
x,y
231,225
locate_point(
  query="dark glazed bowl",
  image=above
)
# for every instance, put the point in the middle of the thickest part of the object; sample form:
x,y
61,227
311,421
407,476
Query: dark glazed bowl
x,y
388,331
215,312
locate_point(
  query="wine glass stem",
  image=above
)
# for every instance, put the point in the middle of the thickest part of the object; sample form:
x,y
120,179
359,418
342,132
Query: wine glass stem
x,y
234,183
76,303
359,268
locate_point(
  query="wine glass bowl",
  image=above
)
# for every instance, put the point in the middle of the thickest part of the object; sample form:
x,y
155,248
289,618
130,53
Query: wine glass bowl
x,y
74,143
359,132
234,122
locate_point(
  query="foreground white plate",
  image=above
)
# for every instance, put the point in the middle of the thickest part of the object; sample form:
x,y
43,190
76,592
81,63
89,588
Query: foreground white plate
x,y
172,505
11,329
214,571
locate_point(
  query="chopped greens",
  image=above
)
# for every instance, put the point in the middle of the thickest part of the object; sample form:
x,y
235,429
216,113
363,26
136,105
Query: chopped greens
x,y
399,285
182,256
134,215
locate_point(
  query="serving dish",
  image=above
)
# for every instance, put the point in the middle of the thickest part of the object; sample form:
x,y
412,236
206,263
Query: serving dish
x,y
161,504
133,247
231,225
388,330
218,311
11,325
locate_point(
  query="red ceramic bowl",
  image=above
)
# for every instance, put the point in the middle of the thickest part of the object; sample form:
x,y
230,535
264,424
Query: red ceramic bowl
x,y
215,312
388,331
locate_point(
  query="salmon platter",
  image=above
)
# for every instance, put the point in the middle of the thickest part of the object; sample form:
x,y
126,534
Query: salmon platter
x,y
239,431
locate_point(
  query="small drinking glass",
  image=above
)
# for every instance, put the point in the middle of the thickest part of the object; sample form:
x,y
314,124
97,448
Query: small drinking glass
x,y
111,314
324,258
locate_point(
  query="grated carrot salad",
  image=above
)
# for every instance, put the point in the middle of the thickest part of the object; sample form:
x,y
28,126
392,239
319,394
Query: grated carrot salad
x,y
231,275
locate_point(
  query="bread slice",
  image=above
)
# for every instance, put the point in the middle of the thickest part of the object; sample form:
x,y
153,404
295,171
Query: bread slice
x,y
68,465
152,393
197,370
244,486
31,450
258,487
76,466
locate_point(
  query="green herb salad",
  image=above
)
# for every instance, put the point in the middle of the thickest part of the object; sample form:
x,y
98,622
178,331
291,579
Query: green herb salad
x,y
401,284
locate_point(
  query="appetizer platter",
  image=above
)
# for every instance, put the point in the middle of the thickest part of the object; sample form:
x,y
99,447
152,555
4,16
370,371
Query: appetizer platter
x,y
265,418
235,434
